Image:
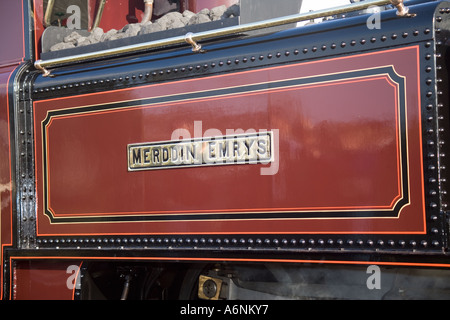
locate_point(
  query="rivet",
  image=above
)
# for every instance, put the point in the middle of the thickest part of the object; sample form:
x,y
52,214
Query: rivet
x,y
394,36
278,54
383,38
427,31
362,41
343,44
405,34
333,46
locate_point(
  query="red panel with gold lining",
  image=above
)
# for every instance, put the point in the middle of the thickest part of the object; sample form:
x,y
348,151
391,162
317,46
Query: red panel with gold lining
x,y
330,146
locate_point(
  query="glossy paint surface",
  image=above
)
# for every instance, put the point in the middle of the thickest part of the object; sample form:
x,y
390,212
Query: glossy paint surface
x,y
348,153
11,19
12,54
44,280
6,218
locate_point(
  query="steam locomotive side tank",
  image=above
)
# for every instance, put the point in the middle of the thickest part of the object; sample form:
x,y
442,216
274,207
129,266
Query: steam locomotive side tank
x,y
233,161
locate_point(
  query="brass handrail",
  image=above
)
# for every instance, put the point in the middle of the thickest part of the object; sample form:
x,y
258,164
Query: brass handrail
x,y
193,38
99,14
48,13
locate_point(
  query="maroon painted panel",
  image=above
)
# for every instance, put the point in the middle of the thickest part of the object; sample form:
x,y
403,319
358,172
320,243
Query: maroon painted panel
x,y
11,25
346,146
44,279
6,219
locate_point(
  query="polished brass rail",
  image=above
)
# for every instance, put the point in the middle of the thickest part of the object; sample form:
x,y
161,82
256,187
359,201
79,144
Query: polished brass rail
x,y
193,38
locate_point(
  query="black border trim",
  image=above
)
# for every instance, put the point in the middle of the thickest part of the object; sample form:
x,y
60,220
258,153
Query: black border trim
x,y
389,70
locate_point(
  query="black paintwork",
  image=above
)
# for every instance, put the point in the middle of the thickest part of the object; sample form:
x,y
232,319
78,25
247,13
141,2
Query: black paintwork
x,y
333,38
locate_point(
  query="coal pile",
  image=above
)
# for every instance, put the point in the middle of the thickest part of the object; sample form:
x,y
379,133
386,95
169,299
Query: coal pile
x,y
169,21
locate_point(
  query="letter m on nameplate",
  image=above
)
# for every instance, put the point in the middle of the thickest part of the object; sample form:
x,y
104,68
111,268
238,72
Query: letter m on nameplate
x,y
252,148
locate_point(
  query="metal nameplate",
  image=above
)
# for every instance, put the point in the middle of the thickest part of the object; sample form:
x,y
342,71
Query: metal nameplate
x,y
249,148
